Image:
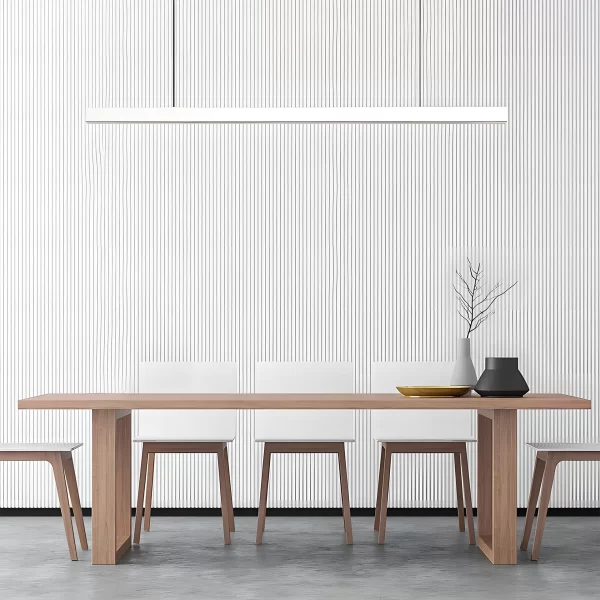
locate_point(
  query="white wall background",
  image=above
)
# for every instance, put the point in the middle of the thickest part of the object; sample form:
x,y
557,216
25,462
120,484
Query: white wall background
x,y
120,244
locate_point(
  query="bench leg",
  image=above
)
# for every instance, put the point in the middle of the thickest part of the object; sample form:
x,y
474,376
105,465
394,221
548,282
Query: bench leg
x,y
63,498
534,494
543,507
75,500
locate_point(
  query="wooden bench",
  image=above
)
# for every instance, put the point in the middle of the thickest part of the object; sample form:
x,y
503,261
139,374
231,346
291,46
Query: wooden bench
x,y
547,458
61,459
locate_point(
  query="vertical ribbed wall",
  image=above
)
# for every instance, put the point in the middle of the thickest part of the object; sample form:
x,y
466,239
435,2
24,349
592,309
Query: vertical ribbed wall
x,y
297,53
121,244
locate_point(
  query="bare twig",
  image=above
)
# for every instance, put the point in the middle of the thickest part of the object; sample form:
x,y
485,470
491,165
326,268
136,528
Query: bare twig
x,y
491,302
474,304
463,317
486,297
481,320
463,301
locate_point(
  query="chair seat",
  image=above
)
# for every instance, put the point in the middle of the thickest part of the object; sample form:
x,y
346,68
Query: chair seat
x,y
304,440
38,447
430,441
186,440
565,447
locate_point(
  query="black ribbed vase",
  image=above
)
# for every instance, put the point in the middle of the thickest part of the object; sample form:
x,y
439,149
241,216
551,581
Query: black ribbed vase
x,y
502,378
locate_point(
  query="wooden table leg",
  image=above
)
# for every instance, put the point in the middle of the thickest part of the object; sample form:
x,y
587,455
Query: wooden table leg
x,y
497,485
111,485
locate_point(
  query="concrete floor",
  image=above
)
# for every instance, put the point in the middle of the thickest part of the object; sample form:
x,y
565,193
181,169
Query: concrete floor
x,y
183,557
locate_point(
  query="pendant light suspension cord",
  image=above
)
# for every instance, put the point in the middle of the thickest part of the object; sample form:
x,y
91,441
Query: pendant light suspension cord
x,y
420,35
173,52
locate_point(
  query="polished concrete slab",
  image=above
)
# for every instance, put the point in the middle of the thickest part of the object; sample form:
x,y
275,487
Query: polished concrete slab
x,y
184,557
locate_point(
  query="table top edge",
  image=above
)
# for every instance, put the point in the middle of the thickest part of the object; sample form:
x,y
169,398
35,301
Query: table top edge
x,y
91,401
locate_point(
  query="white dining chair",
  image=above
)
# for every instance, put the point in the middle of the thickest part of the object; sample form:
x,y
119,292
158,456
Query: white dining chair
x,y
420,431
185,431
60,458
304,431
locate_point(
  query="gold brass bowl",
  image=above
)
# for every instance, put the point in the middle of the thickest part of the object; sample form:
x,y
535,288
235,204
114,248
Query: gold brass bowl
x,y
433,391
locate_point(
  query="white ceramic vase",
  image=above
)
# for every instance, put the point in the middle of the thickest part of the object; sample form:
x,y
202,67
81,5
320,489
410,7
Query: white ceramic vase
x,y
464,371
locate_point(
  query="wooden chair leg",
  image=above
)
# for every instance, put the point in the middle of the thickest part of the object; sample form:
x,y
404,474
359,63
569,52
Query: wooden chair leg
x,y
74,495
345,494
224,495
140,499
534,494
149,484
229,494
459,492
385,486
63,499
264,488
379,484
466,481
543,507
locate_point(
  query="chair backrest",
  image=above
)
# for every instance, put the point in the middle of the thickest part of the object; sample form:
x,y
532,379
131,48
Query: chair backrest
x,y
398,425
186,378
304,378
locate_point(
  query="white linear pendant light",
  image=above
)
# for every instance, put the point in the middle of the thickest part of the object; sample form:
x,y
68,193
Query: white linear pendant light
x,y
409,114
353,114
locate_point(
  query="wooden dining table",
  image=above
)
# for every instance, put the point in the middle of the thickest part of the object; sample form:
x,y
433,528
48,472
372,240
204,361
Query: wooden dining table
x,y
111,451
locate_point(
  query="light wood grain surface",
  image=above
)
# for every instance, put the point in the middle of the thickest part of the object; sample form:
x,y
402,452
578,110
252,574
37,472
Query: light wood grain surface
x,y
111,485
295,401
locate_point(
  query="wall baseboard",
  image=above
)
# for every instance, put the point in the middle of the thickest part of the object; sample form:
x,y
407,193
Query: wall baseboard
x,y
297,512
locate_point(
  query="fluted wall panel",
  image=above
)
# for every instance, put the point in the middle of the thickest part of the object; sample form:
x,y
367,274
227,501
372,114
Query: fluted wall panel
x,y
297,53
464,52
130,243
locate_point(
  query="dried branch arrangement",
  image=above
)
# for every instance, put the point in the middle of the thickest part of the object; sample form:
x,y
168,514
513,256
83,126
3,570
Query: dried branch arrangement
x,y
475,304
